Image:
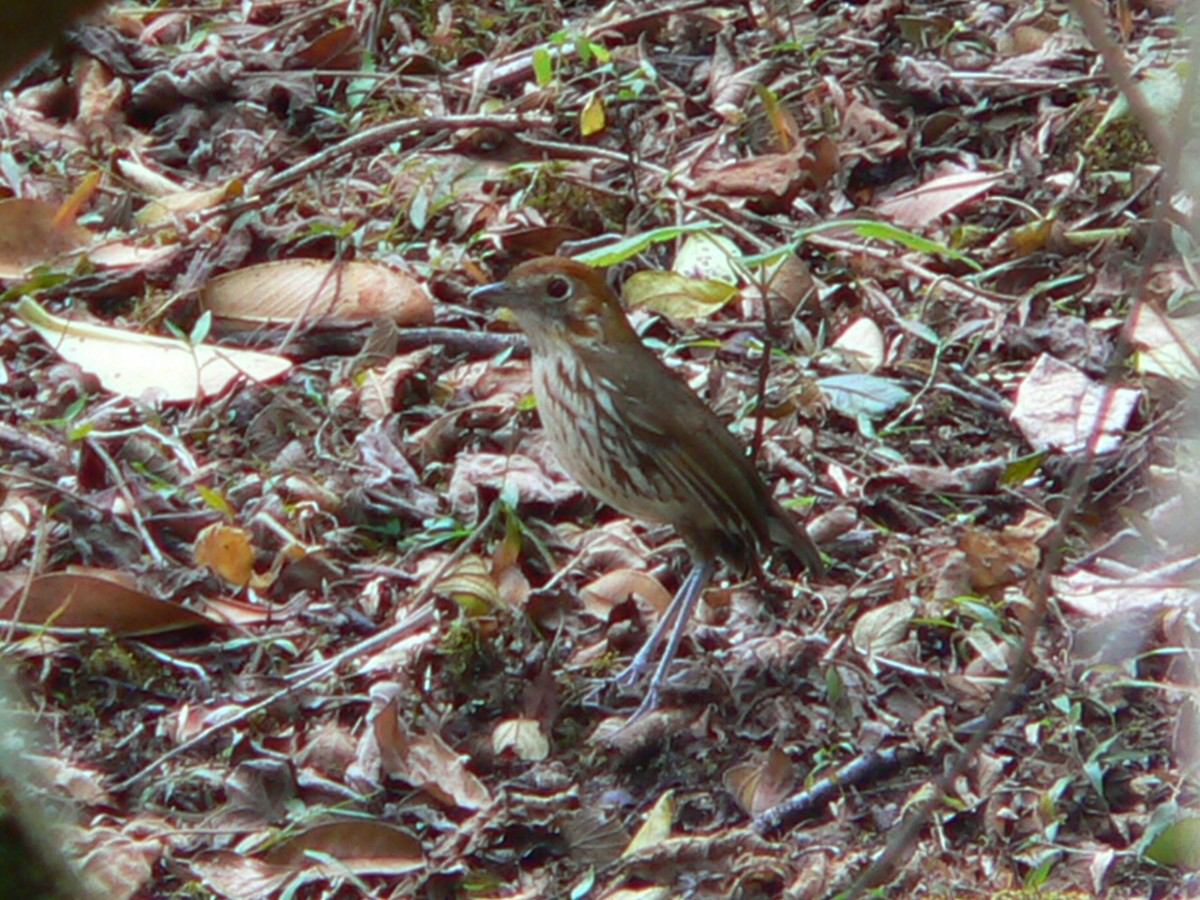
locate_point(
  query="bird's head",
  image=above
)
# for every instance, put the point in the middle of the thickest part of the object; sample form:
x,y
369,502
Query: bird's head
x,y
556,299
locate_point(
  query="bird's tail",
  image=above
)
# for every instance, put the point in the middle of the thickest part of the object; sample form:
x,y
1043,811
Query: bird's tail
x,y
786,532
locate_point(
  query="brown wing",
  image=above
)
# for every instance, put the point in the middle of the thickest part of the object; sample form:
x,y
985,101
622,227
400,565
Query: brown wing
x,y
704,461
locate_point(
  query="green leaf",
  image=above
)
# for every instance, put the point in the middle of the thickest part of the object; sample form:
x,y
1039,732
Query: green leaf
x,y
884,232
581,890
215,500
584,48
202,328
543,67
1019,470
1178,845
881,231
631,246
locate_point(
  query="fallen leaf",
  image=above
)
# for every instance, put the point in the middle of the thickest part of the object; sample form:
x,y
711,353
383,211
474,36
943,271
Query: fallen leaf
x,y
927,203
32,234
523,737
310,290
676,295
95,598
1166,346
362,847
1060,408
862,343
228,551
707,256
656,828
613,588
882,628
136,365
760,785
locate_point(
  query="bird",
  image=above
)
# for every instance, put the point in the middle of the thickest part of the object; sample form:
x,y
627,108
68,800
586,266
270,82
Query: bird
x,y
635,436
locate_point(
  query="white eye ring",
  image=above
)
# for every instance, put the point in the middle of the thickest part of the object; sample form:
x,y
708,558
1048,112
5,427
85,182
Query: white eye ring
x,y
558,288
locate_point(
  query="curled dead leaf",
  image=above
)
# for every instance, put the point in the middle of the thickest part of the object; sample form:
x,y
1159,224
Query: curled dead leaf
x,y
615,587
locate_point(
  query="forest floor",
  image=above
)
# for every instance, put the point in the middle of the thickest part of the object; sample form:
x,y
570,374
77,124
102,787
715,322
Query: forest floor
x,y
303,602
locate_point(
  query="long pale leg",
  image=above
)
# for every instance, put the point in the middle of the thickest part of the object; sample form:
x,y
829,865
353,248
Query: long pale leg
x,y
674,621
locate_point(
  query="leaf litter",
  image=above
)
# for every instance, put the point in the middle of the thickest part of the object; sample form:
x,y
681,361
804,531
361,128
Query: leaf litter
x,y
930,222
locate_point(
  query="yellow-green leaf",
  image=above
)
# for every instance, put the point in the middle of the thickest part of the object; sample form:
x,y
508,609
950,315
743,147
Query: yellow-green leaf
x,y
677,296
592,119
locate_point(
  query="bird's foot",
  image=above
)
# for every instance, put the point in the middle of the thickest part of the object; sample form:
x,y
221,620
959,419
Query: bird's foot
x,y
632,673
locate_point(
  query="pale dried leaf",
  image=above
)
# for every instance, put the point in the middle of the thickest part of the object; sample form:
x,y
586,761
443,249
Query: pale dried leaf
x,y
675,295
656,828
862,342
1060,408
311,290
706,256
615,587
523,737
1166,347
762,784
136,365
882,628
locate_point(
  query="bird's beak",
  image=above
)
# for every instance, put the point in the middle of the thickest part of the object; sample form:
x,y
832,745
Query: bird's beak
x,y
500,293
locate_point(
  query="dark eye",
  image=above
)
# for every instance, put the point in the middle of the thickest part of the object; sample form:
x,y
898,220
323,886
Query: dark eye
x,y
558,287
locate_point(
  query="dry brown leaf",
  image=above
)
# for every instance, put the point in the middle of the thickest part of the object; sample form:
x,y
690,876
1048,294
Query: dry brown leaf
x,y
338,48
32,234
311,290
926,204
96,598
613,588
998,559
773,176
228,551
360,846
1111,591
230,874
513,475
760,785
118,864
427,762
